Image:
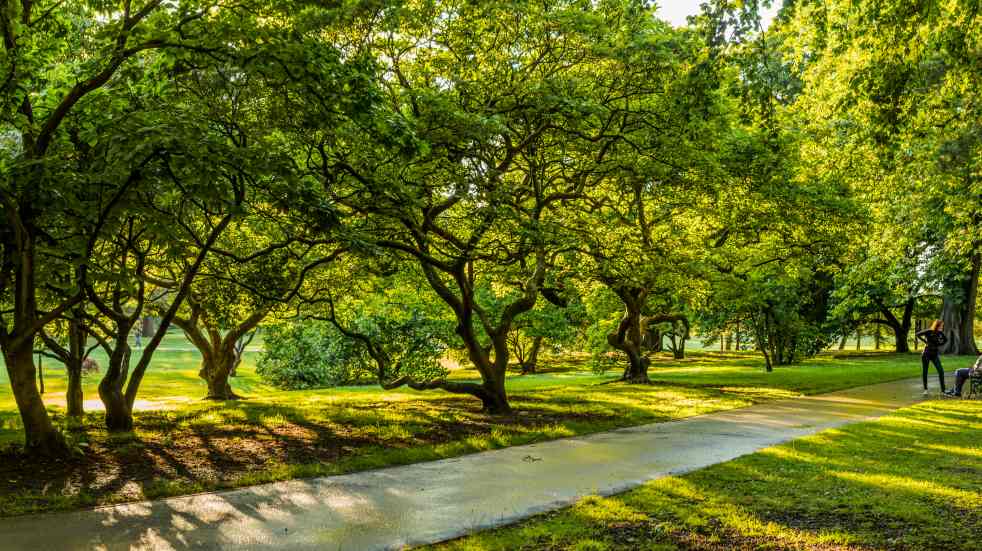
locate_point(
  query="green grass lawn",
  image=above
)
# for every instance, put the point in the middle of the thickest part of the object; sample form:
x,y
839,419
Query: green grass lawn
x,y
172,378
815,376
182,444
911,480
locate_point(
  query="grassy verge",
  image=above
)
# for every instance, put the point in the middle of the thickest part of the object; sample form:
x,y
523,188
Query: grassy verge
x,y
182,445
911,480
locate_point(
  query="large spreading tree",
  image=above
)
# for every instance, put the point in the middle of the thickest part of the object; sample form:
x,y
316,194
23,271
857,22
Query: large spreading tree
x,y
505,113
93,122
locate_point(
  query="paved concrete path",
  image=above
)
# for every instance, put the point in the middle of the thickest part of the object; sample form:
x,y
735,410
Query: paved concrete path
x,y
428,502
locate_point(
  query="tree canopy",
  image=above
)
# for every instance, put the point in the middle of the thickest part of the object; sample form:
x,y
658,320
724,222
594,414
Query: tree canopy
x,y
385,185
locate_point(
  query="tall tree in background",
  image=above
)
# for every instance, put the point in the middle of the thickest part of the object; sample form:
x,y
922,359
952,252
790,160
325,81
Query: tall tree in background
x,y
639,230
900,82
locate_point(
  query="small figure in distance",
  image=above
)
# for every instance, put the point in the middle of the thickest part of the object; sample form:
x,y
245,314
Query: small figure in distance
x,y
963,375
933,339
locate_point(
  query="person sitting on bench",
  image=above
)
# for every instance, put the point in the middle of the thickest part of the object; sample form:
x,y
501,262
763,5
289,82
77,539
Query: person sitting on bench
x,y
963,375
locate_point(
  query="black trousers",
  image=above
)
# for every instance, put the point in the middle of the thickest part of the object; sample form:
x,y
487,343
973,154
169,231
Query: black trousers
x,y
961,376
928,358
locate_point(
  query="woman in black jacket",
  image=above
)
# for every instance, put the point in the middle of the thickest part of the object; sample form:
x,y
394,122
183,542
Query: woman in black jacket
x,y
933,339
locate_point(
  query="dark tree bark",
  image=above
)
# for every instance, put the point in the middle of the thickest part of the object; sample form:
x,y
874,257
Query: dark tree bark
x,y
77,352
532,362
74,399
72,357
527,355
679,333
678,347
628,336
220,353
216,373
491,361
41,374
761,323
147,328
491,364
22,203
653,339
958,312
119,415
40,435
900,327
120,385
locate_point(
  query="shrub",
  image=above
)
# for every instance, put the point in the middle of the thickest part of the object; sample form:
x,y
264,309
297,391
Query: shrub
x,y
308,355
317,355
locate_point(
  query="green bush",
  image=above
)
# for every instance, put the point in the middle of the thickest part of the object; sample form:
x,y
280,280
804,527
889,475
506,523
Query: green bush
x,y
308,355
317,355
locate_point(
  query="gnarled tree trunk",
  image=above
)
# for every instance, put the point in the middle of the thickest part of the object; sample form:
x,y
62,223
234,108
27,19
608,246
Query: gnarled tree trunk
x,y
220,353
900,327
494,398
119,413
216,368
958,312
491,390
40,435
628,336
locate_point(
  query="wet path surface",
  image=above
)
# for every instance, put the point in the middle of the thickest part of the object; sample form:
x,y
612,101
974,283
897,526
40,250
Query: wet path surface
x,y
435,501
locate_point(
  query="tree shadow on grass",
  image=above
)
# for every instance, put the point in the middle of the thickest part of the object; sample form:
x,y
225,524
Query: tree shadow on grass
x,y
304,515
217,445
845,489
165,449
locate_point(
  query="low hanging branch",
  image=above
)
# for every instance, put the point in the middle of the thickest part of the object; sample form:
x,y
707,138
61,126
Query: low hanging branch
x,y
383,363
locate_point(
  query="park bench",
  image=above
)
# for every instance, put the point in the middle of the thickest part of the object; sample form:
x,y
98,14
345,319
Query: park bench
x,y
975,385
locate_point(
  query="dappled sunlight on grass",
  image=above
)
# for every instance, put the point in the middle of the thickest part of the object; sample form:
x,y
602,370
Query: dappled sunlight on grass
x,y
915,485
919,486
182,443
960,450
